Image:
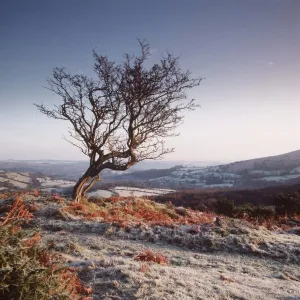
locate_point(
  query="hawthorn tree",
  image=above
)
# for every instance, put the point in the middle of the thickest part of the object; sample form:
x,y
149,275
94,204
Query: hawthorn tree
x,y
121,116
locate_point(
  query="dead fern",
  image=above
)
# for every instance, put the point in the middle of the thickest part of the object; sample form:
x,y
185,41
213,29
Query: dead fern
x,y
18,213
27,270
150,256
133,211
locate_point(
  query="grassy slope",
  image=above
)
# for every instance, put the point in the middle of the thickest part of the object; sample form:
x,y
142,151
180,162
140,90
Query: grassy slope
x,y
236,261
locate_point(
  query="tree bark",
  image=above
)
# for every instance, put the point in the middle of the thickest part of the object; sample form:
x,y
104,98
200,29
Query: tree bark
x,y
80,187
90,185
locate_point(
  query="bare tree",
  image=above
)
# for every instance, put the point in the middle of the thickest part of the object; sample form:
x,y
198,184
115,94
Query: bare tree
x,y
123,115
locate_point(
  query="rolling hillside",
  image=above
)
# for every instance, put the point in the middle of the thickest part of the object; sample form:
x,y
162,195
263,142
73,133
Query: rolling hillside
x,y
254,173
260,172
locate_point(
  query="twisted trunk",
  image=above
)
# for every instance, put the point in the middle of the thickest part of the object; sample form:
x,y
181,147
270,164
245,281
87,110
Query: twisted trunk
x,y
90,185
89,177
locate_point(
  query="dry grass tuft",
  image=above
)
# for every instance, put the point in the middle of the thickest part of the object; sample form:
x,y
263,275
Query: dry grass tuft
x,y
36,192
56,198
28,271
150,256
17,213
225,278
134,211
274,223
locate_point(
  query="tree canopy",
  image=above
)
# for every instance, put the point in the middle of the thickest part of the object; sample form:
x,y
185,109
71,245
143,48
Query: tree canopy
x,y
122,115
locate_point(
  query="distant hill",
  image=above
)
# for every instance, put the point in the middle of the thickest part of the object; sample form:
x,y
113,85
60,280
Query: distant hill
x,y
254,173
72,170
166,164
287,161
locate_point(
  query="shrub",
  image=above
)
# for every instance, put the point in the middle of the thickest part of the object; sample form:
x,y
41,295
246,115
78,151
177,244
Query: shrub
x,y
27,270
225,207
287,204
262,212
243,210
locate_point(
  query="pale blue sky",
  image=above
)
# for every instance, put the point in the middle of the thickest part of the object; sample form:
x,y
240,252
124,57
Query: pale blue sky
x,y
247,50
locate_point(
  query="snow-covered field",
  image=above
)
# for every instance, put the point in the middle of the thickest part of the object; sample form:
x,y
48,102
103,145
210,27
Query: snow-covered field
x,y
18,184
17,180
23,180
22,177
280,178
48,182
124,191
101,194
218,176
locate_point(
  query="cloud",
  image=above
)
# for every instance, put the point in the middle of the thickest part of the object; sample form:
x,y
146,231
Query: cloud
x,y
270,63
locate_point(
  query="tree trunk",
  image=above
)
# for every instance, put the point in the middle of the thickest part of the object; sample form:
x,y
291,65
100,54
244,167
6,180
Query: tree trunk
x,y
90,185
80,187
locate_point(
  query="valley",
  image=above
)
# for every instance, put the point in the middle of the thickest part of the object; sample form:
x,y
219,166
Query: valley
x,y
249,174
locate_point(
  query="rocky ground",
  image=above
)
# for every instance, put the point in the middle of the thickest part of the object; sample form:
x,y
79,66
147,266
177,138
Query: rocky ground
x,y
233,261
